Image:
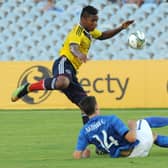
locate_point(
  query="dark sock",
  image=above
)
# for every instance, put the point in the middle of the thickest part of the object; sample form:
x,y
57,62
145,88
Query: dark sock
x,y
161,141
49,83
156,122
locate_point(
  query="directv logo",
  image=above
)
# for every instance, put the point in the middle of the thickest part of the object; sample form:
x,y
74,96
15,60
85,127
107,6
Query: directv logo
x,y
33,74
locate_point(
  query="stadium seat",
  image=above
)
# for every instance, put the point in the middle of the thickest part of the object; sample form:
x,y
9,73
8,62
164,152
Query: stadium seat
x,y
79,3
142,54
99,4
4,25
121,55
6,35
161,54
2,56
147,8
138,16
95,55
8,7
28,5
41,22
127,10
65,5
9,50
4,12
130,6
111,9
163,7
115,20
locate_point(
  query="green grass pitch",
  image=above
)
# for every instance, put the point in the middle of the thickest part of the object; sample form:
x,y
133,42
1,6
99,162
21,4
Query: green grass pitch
x,y
46,139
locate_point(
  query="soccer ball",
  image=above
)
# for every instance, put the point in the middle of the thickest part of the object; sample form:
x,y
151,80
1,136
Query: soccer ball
x,y
136,40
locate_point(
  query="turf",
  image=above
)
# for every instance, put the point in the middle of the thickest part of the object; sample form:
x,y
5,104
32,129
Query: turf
x,y
46,139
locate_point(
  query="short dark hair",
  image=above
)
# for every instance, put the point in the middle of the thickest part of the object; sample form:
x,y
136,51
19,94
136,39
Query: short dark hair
x,y
88,105
88,10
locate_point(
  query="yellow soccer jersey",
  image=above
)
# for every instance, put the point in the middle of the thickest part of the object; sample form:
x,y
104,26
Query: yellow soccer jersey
x,y
80,36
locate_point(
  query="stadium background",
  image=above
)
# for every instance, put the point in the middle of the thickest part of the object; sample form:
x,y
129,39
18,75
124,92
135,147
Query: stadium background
x,y
128,78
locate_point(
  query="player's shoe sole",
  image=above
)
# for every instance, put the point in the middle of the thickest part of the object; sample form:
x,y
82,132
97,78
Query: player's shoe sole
x,y
19,92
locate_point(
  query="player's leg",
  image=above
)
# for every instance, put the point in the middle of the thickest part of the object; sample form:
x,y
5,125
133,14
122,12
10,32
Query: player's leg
x,y
75,94
156,122
145,137
59,81
161,141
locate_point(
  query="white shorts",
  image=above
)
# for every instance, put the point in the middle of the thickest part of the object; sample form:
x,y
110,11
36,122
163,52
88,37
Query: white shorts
x,y
145,136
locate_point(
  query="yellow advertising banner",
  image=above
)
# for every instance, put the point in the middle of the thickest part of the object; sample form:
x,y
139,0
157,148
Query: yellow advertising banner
x,y
116,84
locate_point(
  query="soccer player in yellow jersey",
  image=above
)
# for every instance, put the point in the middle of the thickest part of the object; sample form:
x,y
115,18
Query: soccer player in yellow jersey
x,y
72,55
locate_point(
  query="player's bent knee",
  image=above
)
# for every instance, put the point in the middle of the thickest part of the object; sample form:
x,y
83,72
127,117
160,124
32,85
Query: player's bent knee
x,y
62,82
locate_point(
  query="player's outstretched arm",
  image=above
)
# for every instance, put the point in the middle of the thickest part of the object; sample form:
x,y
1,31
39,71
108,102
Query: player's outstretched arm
x,y
110,33
82,154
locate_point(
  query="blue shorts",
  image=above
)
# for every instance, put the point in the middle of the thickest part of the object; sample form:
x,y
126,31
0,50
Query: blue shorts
x,y
75,92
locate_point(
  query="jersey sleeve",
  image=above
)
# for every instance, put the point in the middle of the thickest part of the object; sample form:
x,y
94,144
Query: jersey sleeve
x,y
82,142
76,35
119,126
96,33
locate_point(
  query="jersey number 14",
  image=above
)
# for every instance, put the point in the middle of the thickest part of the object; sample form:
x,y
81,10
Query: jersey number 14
x,y
104,143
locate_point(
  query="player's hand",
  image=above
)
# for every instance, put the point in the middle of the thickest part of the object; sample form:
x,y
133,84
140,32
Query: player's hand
x,y
127,23
86,153
83,58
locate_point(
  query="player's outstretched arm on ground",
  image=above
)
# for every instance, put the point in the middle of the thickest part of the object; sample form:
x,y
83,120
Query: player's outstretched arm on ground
x,y
110,33
82,154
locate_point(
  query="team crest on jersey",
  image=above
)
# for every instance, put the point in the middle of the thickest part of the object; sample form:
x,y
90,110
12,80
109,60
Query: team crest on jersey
x,y
31,75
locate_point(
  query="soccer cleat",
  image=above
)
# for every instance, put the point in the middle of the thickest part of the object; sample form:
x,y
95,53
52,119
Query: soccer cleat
x,y
20,92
